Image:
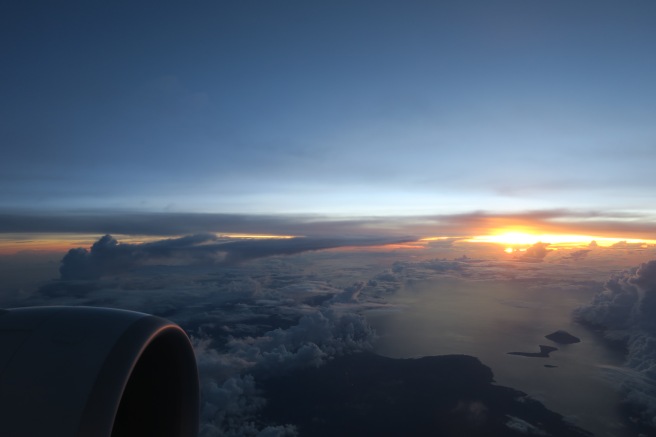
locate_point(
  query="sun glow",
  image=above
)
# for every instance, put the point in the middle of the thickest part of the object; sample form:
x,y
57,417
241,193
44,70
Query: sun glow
x,y
13,243
259,236
516,239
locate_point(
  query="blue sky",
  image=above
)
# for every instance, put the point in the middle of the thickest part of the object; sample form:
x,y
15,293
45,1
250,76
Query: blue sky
x,y
335,108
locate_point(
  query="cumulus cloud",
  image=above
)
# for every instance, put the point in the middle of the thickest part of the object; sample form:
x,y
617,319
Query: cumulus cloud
x,y
627,303
578,254
535,253
230,408
107,256
523,427
424,269
316,337
624,245
626,311
247,321
250,320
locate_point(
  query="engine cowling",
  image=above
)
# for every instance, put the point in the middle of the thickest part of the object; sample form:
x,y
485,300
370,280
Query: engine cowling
x,y
95,372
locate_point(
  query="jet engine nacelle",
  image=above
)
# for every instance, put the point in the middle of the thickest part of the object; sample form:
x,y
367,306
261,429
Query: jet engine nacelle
x,y
95,372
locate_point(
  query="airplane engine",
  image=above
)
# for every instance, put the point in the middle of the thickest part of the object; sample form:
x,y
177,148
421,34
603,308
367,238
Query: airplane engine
x,y
95,372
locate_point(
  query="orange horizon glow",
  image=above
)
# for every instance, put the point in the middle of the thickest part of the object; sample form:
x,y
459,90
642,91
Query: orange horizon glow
x,y
512,238
389,247
522,237
12,244
260,236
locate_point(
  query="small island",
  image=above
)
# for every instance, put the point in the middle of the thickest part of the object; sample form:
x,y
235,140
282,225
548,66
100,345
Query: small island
x,y
562,337
544,352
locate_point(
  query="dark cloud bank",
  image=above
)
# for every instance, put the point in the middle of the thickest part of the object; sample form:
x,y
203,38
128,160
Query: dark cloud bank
x,y
172,223
285,352
107,256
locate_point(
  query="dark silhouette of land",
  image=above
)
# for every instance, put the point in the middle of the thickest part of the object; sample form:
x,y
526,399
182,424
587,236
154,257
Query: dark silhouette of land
x,y
367,394
544,352
562,337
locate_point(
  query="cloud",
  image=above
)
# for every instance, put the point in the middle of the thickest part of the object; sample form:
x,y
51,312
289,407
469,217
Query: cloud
x,y
247,321
244,250
252,320
556,221
578,254
68,289
628,246
535,253
318,336
626,311
420,269
107,256
172,224
230,408
523,427
628,303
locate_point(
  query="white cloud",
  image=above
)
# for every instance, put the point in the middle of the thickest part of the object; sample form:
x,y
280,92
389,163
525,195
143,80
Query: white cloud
x,y
517,424
230,410
626,311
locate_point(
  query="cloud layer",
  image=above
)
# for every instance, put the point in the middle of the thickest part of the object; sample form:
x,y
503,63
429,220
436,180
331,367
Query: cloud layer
x,y
253,314
466,224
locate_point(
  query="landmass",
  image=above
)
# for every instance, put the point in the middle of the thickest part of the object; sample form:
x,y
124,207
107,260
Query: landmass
x,y
544,352
562,337
367,394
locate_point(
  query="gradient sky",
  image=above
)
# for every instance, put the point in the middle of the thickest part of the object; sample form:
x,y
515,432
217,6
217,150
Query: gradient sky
x,y
390,134
335,108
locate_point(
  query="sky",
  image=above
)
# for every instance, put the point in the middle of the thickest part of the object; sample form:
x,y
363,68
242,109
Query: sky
x,y
331,108
296,181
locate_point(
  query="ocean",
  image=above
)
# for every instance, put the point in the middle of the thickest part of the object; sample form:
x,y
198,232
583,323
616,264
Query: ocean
x,y
488,319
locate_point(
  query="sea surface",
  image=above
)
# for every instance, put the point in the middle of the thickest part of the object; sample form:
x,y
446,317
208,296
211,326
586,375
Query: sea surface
x,y
488,319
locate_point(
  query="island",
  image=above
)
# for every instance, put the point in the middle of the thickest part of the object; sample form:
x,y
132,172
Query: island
x,y
544,352
562,337
368,394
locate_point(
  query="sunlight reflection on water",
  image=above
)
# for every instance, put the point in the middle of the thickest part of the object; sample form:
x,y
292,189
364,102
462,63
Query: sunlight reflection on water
x,y
487,319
